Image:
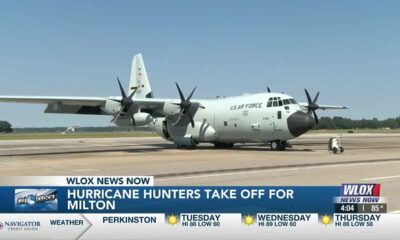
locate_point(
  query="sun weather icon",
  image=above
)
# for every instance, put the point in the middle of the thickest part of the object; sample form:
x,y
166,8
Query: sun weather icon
x,y
172,220
326,219
248,220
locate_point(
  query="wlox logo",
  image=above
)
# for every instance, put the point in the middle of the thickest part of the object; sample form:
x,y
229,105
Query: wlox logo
x,y
36,199
360,190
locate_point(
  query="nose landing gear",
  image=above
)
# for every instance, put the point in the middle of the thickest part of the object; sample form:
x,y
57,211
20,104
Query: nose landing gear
x,y
278,145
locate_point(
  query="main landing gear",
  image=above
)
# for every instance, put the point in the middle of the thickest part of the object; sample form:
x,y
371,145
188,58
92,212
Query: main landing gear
x,y
223,145
278,145
186,143
188,147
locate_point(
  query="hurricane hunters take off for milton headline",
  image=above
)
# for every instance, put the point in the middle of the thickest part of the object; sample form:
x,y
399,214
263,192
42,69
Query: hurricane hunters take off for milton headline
x,y
262,117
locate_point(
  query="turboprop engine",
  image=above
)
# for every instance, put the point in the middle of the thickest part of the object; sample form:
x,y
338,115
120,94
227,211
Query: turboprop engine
x,y
171,109
142,118
159,125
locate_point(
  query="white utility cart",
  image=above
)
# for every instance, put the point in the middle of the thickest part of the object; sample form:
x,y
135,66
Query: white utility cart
x,y
335,145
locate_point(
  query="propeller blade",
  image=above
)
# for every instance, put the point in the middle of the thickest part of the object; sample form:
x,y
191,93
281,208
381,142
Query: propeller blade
x,y
308,96
121,88
116,100
312,105
116,116
316,98
316,118
113,119
185,105
133,93
126,103
180,92
179,118
191,118
191,94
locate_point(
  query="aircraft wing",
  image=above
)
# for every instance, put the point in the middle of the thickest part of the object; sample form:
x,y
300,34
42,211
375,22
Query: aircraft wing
x,y
324,107
161,105
88,101
93,105
74,105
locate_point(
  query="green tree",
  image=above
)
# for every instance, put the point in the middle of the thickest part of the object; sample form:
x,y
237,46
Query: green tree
x,y
326,123
391,123
5,127
374,123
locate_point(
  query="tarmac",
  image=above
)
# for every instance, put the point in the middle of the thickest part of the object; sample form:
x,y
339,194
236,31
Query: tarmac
x,y
369,158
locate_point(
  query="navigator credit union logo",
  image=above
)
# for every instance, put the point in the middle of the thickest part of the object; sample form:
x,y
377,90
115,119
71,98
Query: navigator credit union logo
x,y
28,200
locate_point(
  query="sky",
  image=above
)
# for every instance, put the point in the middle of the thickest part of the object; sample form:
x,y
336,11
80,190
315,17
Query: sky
x,y
347,50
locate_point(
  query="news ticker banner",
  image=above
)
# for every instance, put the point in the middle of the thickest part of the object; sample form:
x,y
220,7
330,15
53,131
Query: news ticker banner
x,y
131,207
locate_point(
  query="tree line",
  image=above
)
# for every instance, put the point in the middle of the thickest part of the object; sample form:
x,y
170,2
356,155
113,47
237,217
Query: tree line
x,y
77,129
347,123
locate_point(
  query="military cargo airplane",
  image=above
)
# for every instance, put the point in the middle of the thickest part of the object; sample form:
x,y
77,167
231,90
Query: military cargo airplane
x,y
268,117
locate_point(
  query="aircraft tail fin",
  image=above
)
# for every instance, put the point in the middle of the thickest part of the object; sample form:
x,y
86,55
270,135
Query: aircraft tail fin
x,y
139,79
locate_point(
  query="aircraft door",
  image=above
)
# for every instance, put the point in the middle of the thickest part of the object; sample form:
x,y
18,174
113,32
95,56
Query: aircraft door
x,y
278,123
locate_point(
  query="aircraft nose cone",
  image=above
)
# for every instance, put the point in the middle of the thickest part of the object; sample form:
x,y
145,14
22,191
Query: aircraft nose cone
x,y
299,123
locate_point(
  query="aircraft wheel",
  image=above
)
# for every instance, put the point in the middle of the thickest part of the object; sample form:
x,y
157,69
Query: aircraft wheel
x,y
277,146
334,150
192,146
283,146
223,145
228,145
188,147
341,149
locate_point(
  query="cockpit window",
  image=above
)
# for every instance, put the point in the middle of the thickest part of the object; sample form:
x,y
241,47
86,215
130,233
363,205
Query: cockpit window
x,y
276,101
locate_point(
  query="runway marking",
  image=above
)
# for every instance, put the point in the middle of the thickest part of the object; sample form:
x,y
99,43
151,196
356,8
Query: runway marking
x,y
268,171
378,178
86,170
68,147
